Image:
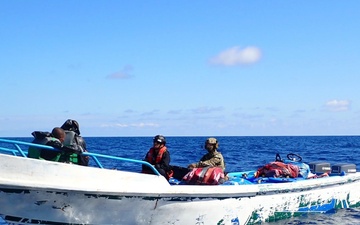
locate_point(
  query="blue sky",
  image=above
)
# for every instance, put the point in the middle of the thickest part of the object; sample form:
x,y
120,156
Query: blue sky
x,y
180,68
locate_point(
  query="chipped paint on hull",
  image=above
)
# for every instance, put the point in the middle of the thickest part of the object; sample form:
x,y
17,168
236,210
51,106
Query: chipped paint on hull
x,y
56,193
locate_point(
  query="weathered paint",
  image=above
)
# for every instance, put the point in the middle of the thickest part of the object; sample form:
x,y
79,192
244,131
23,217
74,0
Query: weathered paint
x,y
58,193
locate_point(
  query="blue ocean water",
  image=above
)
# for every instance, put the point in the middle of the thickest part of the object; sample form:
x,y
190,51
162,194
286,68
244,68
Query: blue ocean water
x,y
241,154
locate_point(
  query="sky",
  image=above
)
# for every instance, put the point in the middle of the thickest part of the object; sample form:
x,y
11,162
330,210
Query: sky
x,y
180,68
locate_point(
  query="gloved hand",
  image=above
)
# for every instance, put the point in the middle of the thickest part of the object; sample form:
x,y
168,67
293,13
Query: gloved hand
x,y
56,144
69,149
192,166
157,166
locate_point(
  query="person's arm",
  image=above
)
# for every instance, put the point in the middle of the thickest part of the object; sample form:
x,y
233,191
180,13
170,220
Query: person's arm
x,y
145,158
145,168
66,149
197,164
81,142
165,162
214,161
72,149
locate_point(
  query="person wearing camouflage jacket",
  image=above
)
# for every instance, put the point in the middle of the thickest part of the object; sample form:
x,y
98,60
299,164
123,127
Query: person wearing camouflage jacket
x,y
213,158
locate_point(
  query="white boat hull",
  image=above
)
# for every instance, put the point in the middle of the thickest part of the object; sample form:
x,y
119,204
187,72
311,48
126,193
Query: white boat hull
x,y
43,192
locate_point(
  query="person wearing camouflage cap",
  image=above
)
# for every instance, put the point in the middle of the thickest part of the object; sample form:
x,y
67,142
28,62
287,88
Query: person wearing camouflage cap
x,y
212,158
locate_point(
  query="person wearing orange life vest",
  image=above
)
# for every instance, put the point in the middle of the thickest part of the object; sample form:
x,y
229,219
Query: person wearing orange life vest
x,y
159,157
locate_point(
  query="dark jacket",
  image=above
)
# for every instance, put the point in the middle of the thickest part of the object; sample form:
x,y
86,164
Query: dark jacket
x,y
76,142
163,166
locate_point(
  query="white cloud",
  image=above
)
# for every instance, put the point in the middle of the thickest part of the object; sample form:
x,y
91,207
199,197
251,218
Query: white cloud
x,y
248,116
205,109
337,105
137,125
175,112
150,113
237,56
125,73
129,111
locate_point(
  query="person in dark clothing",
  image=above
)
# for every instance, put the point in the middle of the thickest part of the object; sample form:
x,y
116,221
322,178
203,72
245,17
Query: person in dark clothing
x,y
54,139
56,142
159,157
73,139
73,125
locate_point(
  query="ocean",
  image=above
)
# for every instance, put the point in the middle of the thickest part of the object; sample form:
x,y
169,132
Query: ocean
x,y
242,154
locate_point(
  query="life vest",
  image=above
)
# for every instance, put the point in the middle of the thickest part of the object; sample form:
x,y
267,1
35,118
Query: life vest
x,y
304,168
278,169
43,138
154,158
50,154
205,175
71,140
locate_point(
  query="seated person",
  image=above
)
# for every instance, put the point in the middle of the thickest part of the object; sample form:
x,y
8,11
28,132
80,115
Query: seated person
x,y
74,140
54,139
159,157
213,158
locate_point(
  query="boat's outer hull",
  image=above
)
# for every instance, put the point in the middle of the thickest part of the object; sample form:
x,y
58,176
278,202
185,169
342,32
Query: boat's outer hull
x,y
54,193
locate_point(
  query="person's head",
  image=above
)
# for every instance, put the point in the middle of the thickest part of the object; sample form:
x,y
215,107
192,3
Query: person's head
x,y
159,141
58,133
71,125
211,144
